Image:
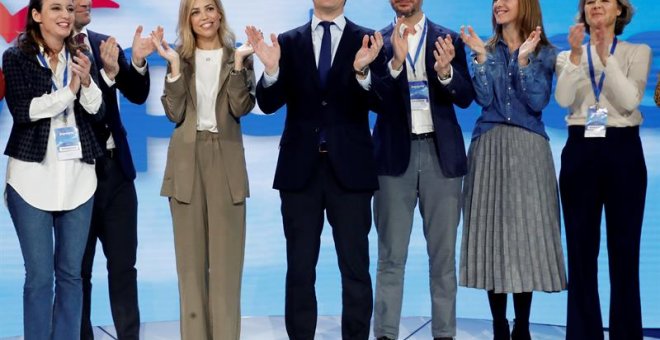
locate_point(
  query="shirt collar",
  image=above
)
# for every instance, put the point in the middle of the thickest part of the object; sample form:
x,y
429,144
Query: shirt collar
x,y
61,56
83,30
339,21
419,26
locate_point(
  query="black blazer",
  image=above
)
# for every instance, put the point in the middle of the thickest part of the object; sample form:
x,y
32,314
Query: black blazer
x,y
341,111
27,79
133,86
392,130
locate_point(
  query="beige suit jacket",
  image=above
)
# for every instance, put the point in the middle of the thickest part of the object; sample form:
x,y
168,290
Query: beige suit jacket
x,y
235,99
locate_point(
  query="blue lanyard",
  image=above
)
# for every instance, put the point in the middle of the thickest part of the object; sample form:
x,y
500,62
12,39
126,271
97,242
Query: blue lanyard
x,y
65,113
422,41
66,69
592,73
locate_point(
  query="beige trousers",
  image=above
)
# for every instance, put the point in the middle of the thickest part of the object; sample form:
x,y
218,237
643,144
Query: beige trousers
x,y
209,241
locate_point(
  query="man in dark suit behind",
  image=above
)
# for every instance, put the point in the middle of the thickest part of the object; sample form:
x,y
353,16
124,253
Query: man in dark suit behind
x,y
114,216
420,157
321,72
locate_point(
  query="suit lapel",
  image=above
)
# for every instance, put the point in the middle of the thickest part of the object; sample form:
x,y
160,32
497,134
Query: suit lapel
x,y
191,80
344,52
95,43
307,49
431,36
227,64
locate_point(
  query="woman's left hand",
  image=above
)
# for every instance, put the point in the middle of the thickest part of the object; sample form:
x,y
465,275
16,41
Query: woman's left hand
x,y
529,46
80,67
241,53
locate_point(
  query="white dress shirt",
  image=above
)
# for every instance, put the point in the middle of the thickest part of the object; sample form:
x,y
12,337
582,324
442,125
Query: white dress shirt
x,y
422,121
55,185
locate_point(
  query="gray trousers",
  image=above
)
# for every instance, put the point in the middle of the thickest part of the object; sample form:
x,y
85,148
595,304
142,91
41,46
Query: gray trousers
x,y
440,208
209,244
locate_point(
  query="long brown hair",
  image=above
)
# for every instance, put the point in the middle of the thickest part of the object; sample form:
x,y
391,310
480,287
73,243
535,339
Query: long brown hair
x,y
30,39
186,42
529,17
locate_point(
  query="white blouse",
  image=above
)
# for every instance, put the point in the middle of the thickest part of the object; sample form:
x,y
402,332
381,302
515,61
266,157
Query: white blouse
x,y
626,74
208,64
54,185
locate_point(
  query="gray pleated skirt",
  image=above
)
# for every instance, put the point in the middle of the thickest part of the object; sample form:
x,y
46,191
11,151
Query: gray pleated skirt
x,y
511,230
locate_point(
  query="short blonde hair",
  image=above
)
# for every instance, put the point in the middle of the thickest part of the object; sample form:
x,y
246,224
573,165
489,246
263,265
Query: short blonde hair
x,y
186,42
622,20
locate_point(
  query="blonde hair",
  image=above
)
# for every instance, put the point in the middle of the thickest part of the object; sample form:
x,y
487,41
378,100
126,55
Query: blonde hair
x,y
529,17
186,42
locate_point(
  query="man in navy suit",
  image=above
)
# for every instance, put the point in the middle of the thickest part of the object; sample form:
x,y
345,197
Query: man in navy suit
x,y
321,72
114,216
420,157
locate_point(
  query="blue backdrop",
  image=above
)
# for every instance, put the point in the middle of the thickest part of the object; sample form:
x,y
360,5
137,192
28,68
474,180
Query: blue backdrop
x,y
265,265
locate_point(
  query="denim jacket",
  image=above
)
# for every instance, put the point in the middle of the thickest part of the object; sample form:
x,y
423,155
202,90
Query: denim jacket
x,y
510,94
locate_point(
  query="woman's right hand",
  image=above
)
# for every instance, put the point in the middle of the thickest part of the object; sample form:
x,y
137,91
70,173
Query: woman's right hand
x,y
475,43
168,53
575,40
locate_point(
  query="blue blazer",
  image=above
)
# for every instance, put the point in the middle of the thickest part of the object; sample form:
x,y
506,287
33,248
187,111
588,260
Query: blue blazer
x,y
341,111
393,130
133,86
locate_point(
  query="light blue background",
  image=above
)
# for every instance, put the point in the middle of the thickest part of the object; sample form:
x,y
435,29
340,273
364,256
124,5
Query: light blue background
x,y
265,264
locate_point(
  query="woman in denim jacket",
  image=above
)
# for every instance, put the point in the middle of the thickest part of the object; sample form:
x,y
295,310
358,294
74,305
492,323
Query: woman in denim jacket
x,y
511,230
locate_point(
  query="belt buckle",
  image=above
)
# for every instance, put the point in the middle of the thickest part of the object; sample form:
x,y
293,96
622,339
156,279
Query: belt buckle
x,y
323,147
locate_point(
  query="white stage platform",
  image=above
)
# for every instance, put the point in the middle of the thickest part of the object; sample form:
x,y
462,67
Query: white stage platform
x,y
328,328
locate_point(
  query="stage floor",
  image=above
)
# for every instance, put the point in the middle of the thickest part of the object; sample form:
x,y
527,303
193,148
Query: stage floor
x,y
328,328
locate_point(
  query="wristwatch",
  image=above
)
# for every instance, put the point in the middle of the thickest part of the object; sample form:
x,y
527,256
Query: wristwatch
x,y
445,75
363,72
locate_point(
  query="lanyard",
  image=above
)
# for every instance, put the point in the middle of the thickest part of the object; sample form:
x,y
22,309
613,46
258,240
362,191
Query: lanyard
x,y
422,41
592,73
41,57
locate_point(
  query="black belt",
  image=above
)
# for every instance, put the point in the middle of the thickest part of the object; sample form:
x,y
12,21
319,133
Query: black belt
x,y
415,136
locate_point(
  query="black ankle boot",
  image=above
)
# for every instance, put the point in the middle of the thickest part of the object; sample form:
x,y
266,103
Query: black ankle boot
x,y
520,330
501,330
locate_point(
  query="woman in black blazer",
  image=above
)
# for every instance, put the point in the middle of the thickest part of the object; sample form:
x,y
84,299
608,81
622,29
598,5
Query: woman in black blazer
x,y
50,172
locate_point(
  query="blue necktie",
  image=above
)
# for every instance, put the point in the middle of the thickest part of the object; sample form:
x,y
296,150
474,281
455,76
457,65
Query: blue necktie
x,y
325,56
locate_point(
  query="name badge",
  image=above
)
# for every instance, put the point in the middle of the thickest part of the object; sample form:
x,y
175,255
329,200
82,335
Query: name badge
x,y
596,125
67,141
419,95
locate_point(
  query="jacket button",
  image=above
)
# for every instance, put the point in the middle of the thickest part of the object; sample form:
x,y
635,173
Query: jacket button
x,y
316,130
324,103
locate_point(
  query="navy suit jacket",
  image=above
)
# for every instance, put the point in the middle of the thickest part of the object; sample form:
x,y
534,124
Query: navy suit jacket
x,y
393,130
341,111
131,84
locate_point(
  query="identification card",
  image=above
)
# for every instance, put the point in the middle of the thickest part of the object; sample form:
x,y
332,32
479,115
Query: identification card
x,y
67,141
419,95
596,125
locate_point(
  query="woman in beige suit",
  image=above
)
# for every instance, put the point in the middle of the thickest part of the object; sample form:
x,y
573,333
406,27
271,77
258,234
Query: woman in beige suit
x,y
210,85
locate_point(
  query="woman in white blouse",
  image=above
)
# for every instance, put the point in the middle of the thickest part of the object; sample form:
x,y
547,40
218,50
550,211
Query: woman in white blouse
x,y
50,172
209,87
602,84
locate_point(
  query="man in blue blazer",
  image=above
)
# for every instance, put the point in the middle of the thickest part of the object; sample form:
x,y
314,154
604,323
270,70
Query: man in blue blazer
x,y
321,72
114,216
420,156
